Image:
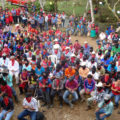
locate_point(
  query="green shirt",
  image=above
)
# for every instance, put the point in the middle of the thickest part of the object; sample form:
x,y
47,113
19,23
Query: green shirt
x,y
108,108
8,79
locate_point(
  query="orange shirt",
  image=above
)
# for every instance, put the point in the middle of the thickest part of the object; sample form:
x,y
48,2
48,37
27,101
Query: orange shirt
x,y
69,73
83,73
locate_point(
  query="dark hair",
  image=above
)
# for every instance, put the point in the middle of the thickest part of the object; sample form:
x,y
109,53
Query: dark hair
x,y
89,76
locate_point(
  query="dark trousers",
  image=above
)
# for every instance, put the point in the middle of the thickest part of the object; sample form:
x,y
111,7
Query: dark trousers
x,y
24,113
41,27
45,96
59,93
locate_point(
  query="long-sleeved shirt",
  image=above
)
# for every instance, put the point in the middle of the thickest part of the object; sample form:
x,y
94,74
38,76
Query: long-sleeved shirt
x,y
72,85
108,108
41,20
8,79
89,86
10,105
14,67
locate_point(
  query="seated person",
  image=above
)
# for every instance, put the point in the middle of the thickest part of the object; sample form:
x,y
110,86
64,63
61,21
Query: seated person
x,y
7,108
89,86
97,97
105,108
71,87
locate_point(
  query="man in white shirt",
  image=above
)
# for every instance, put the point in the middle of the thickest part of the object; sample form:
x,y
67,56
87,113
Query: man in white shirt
x,y
30,106
4,61
13,67
46,22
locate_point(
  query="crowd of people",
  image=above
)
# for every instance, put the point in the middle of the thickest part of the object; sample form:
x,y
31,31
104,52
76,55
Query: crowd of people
x,y
44,62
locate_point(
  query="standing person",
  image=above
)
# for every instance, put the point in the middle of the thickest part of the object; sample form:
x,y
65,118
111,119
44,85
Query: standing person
x,y
7,108
63,16
46,22
30,108
13,68
71,88
105,108
41,21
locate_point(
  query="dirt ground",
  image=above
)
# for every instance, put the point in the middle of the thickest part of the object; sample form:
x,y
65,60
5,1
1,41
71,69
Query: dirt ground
x,y
65,113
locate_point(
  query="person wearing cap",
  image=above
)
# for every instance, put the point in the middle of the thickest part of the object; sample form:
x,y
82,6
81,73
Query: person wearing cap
x,y
92,63
67,52
107,82
83,71
89,87
56,51
8,78
6,50
13,67
57,88
4,61
72,60
86,48
105,108
45,84
77,46
100,70
7,108
30,106
97,96
71,86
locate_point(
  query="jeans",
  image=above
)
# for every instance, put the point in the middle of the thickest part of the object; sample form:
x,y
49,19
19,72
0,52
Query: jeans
x,y
8,116
67,93
117,98
26,113
46,26
53,93
101,111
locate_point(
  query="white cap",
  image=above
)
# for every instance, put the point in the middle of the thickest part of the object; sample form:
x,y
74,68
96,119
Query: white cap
x,y
106,97
85,42
83,64
56,46
55,40
100,84
67,48
93,52
72,55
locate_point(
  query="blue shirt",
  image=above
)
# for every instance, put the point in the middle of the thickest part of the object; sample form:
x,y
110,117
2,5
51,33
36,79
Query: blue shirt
x,y
41,20
39,72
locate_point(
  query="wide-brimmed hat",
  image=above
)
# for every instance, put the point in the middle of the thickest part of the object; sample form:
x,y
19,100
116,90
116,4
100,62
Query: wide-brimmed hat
x,y
100,84
107,97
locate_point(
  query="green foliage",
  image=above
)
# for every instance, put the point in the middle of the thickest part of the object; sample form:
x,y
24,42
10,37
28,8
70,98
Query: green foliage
x,y
49,7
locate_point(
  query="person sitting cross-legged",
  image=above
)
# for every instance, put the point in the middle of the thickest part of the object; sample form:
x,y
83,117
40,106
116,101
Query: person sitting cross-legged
x,y
71,87
105,108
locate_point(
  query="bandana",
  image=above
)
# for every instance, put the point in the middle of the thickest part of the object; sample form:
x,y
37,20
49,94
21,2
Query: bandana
x,y
6,101
72,59
106,78
57,82
56,51
13,62
29,99
86,45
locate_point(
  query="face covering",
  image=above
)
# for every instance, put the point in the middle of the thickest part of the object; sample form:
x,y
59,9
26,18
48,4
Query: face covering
x,y
56,51
29,99
26,64
4,57
84,67
13,61
85,45
106,78
72,59
107,101
99,89
6,101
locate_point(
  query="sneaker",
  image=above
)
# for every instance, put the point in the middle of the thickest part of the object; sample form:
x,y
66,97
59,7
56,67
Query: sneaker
x,y
71,105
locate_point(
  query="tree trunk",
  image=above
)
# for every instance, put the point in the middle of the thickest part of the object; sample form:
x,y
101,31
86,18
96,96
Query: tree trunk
x,y
85,14
3,4
55,5
42,3
92,12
